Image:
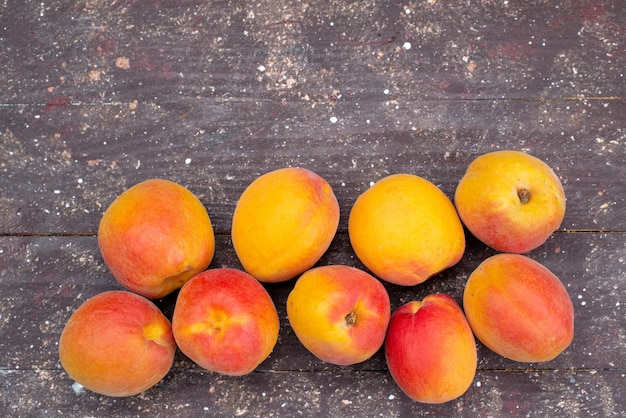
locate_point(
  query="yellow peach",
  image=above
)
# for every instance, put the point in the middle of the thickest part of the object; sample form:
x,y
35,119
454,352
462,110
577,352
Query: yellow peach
x,y
510,200
404,229
155,236
283,223
339,313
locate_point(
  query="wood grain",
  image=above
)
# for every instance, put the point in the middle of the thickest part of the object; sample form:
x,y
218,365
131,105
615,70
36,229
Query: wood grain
x,y
558,393
72,162
99,95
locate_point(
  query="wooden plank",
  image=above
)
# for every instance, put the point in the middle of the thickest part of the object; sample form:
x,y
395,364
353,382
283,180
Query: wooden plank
x,y
99,95
71,162
559,393
44,279
95,51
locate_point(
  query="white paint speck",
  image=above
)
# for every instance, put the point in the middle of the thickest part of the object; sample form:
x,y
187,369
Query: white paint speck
x,y
392,397
333,119
386,91
478,384
407,45
57,192
371,183
77,387
80,181
261,68
188,161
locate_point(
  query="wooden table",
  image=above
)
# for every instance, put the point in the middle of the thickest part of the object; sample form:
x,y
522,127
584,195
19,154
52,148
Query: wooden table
x,y
99,95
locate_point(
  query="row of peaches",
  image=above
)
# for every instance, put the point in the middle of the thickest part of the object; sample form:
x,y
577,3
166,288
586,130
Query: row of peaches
x,y
157,237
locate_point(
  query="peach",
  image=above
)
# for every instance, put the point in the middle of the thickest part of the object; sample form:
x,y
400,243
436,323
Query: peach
x,y
405,230
430,349
283,223
155,236
510,200
339,313
519,309
117,343
225,321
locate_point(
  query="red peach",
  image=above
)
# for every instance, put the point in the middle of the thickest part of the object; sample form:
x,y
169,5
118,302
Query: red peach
x,y
430,349
225,321
117,343
519,309
155,236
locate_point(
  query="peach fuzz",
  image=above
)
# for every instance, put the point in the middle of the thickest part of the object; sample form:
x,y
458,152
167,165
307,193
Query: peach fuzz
x,y
339,313
405,230
225,321
118,344
519,309
155,236
430,349
510,200
283,223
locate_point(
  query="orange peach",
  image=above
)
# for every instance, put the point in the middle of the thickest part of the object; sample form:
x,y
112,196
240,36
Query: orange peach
x,y
510,200
430,349
519,309
225,321
339,313
283,223
405,230
117,343
155,236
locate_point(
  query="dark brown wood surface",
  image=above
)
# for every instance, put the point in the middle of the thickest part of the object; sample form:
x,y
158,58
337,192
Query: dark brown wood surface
x,y
98,95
